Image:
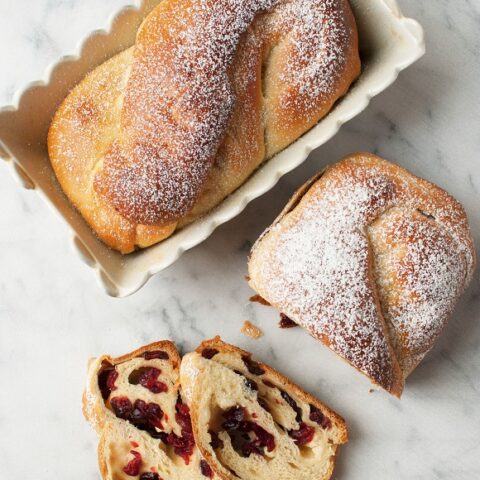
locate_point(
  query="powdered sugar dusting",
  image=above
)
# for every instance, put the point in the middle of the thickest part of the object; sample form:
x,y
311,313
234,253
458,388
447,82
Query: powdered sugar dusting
x,y
316,264
420,273
318,41
179,96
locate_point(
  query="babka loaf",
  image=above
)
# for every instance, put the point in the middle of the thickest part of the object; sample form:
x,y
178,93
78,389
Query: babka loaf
x,y
161,133
371,260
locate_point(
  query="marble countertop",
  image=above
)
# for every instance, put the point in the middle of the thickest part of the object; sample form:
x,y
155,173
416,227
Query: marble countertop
x,y
53,316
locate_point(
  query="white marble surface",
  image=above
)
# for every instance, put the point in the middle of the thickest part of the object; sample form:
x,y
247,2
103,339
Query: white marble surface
x,y
53,316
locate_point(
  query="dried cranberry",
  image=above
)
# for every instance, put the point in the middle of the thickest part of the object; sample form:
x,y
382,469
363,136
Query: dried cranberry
x,y
139,413
286,322
205,469
106,381
122,407
263,403
209,353
303,435
156,354
163,436
150,476
112,377
318,417
253,367
265,439
238,428
182,446
233,417
149,379
293,405
251,384
154,415
146,416
268,383
215,441
249,448
132,468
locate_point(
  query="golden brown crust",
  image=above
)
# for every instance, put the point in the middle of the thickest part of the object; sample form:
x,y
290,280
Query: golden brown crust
x,y
395,249
106,133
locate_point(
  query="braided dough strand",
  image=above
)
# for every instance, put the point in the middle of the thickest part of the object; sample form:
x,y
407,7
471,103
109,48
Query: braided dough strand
x,y
180,95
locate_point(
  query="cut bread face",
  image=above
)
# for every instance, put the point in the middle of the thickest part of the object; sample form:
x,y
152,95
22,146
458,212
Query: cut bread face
x,y
215,414
251,422
135,404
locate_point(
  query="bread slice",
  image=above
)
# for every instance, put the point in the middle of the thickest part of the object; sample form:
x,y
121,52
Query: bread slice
x,y
214,414
135,404
251,422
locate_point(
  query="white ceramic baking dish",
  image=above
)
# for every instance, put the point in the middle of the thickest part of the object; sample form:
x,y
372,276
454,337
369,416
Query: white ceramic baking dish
x,y
389,43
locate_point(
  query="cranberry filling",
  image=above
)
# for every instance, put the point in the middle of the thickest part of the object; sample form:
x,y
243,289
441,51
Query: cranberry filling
x,y
263,403
215,441
150,476
249,383
182,446
132,468
149,379
268,383
253,367
286,322
156,354
303,435
318,417
209,353
293,405
106,381
205,469
122,407
239,429
145,416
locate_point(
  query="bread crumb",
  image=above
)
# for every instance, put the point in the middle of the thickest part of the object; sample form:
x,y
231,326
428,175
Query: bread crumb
x,y
251,330
371,390
258,299
286,322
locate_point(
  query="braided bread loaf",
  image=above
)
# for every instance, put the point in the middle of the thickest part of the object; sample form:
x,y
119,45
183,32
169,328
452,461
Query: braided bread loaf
x,y
164,131
371,260
225,414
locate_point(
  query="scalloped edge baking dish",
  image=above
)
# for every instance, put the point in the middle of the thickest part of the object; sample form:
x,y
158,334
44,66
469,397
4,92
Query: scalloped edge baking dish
x,y
389,43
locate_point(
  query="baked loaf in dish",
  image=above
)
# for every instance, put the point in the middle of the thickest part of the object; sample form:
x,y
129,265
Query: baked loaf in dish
x,y
251,422
226,417
371,260
161,133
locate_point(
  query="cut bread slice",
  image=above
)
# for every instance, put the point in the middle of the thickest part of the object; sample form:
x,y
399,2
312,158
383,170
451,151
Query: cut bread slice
x,y
251,422
135,404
